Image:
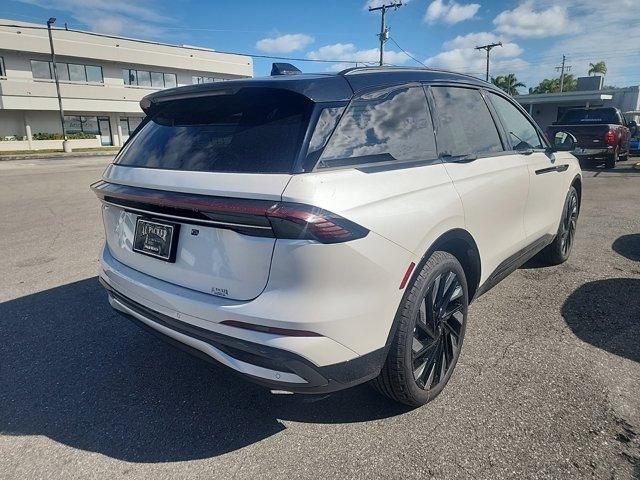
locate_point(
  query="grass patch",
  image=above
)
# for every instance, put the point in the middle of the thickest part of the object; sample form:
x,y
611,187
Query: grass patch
x,y
58,150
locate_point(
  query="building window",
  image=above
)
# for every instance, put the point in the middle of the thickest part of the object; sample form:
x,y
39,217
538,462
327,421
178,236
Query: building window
x,y
67,72
144,78
128,125
3,72
197,79
41,69
78,124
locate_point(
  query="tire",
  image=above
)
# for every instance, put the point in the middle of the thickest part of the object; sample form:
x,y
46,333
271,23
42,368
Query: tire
x,y
432,319
611,159
559,250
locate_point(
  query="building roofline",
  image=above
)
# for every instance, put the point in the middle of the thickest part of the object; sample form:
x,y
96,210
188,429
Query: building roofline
x,y
38,26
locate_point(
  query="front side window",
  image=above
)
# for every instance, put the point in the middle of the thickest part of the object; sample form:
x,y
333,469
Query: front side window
x,y
522,133
465,125
383,126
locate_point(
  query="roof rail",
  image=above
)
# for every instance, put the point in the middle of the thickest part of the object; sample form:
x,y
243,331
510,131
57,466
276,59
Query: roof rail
x,y
384,68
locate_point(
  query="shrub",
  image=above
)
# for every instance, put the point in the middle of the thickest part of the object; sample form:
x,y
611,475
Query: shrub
x,y
58,136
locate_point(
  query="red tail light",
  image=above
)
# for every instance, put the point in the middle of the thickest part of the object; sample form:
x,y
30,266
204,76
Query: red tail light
x,y
291,220
263,218
610,137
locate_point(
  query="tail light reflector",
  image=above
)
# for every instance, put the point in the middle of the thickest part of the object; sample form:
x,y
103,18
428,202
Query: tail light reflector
x,y
287,332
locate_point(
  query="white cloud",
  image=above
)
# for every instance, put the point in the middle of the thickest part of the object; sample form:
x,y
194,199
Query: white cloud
x,y
460,55
524,21
284,43
450,12
347,52
116,17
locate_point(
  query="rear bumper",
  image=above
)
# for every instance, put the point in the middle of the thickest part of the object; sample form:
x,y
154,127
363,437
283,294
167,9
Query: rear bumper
x,y
592,152
268,366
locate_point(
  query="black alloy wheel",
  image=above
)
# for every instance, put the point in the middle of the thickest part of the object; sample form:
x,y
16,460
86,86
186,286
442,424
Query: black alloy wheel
x,y
430,326
570,222
438,331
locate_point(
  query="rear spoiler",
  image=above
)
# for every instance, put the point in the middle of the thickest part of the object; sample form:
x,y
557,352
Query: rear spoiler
x,y
317,88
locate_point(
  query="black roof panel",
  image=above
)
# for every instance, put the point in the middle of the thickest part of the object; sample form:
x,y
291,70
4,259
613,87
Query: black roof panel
x,y
318,87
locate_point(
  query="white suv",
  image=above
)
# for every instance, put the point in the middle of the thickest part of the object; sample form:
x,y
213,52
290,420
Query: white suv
x,y
313,232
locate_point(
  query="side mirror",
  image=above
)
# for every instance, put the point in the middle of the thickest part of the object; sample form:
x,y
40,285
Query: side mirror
x,y
633,127
564,142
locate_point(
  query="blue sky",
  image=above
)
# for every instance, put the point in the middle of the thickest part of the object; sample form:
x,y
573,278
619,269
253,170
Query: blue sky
x,y
439,33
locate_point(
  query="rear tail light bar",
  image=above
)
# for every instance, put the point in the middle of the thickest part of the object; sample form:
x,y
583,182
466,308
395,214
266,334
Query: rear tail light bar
x,y
263,218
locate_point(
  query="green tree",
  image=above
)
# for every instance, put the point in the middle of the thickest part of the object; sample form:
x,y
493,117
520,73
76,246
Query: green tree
x,y
509,83
598,68
552,85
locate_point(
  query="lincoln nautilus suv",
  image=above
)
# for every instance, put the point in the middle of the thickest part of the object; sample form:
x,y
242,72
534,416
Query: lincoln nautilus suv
x,y
312,232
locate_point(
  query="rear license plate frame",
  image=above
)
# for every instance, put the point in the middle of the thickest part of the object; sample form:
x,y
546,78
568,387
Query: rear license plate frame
x,y
169,246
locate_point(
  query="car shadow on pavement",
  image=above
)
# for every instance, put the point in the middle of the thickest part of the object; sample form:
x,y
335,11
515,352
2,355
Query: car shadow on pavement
x,y
628,246
73,370
606,314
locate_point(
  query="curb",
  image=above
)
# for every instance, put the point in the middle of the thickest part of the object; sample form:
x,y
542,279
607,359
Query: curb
x,y
45,156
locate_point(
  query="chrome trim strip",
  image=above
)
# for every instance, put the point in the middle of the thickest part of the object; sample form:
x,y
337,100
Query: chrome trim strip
x,y
185,219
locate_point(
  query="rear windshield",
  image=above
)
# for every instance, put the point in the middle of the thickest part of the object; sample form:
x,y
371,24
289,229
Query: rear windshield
x,y
593,115
256,130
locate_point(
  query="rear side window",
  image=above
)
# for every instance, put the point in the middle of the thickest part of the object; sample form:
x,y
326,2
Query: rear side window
x,y
522,133
464,124
383,126
256,130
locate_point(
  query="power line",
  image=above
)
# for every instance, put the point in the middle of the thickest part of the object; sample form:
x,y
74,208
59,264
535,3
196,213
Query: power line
x,y
407,53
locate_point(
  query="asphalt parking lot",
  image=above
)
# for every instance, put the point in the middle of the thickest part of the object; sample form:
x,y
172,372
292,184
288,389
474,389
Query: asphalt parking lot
x,y
548,384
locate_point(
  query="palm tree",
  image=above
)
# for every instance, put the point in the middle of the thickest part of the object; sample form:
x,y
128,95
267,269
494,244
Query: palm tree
x,y
598,67
548,85
509,83
552,85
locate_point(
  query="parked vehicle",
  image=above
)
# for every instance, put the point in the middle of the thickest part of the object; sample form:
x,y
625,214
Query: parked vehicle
x,y
634,143
313,232
601,133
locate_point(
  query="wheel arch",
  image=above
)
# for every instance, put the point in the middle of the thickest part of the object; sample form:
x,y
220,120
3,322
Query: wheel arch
x,y
459,243
577,184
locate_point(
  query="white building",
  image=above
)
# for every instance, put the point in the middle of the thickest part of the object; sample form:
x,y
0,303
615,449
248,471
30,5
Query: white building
x,y
102,79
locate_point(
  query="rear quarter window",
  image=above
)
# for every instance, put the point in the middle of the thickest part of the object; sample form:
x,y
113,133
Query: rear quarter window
x,y
256,130
389,125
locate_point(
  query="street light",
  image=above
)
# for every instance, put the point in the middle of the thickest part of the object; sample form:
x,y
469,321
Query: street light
x,y
66,146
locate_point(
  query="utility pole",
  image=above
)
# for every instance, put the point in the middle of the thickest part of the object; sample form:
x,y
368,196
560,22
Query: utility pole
x,y
488,49
65,144
561,69
384,31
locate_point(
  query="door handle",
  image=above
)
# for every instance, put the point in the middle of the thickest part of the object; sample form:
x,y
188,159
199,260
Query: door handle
x,y
459,158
